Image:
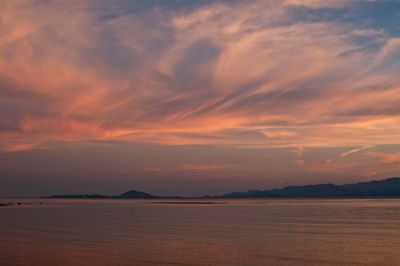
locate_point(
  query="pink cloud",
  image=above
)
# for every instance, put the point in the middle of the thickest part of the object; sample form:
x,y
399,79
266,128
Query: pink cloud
x,y
387,158
344,154
18,147
193,167
203,76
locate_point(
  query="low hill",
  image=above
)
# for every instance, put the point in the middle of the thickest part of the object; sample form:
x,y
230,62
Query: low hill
x,y
383,188
132,194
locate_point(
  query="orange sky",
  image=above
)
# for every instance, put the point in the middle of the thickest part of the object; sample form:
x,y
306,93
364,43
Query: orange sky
x,y
316,80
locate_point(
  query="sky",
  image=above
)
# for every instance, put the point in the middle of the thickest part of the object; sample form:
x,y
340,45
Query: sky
x,y
196,97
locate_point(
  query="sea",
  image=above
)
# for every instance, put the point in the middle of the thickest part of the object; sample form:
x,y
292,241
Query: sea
x,y
200,232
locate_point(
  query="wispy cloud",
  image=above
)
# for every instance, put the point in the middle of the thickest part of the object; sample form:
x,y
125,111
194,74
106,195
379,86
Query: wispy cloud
x,y
18,147
387,158
344,154
94,71
193,167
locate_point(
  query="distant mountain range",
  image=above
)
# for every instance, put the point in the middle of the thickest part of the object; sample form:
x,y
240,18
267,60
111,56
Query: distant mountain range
x,y
384,188
132,194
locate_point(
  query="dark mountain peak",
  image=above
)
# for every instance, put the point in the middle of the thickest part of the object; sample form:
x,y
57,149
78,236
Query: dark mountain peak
x,y
134,194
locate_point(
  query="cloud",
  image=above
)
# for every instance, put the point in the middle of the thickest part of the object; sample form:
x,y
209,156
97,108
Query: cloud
x,y
193,167
298,151
344,154
387,158
18,147
319,3
226,73
373,163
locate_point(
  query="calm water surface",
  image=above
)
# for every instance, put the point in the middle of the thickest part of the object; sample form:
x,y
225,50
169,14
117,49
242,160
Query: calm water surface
x,y
231,232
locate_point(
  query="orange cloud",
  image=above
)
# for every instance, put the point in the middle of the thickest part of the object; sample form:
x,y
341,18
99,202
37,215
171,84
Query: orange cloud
x,y
193,167
244,74
344,154
368,164
18,147
387,158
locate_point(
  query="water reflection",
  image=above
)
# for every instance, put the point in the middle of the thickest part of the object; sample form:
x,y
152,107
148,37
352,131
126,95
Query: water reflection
x,y
231,232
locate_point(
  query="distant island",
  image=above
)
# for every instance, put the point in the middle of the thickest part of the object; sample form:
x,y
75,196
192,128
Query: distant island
x,y
384,188
132,194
